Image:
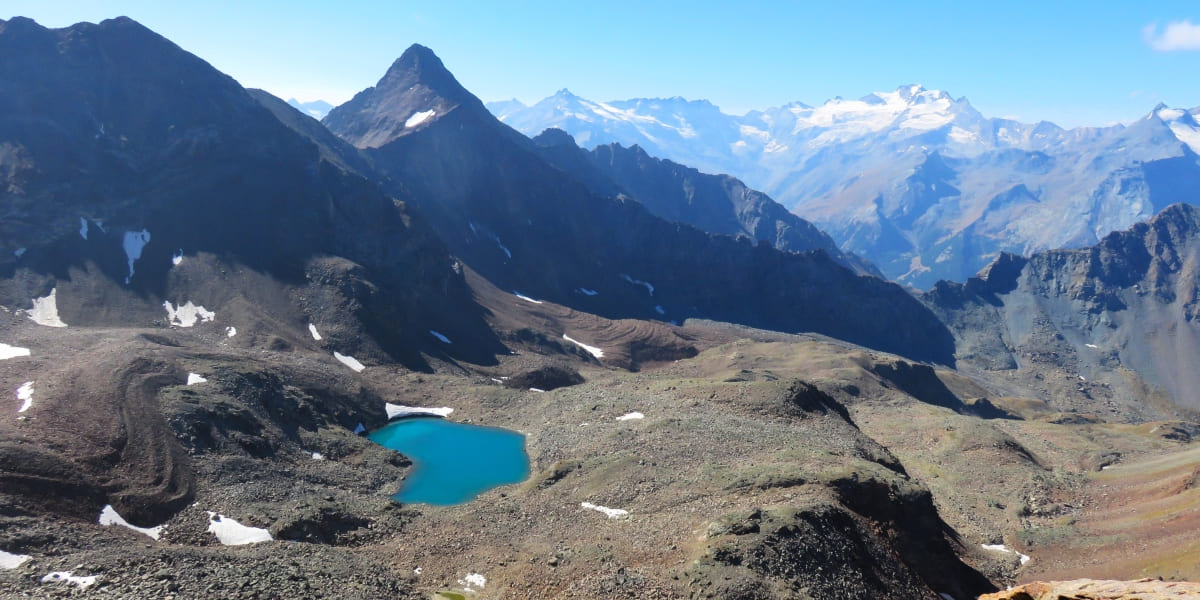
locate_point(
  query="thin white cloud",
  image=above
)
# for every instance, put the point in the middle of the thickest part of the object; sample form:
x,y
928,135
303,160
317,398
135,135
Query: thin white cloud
x,y
1176,36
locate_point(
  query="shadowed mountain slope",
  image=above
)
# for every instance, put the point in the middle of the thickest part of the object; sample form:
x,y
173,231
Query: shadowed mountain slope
x,y
136,174
530,227
712,203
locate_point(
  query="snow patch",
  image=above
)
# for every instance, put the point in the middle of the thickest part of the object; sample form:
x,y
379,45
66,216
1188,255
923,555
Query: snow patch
x,y
400,410
312,329
230,331
19,252
45,310
631,416
83,228
649,287
9,560
359,429
7,351
83,582
1170,114
134,242
109,517
318,456
1002,548
594,351
525,298
177,257
194,378
349,361
962,136
775,147
186,315
612,513
473,580
842,120
504,248
659,309
442,338
231,533
587,292
538,390
1091,345
25,395
418,118
1186,134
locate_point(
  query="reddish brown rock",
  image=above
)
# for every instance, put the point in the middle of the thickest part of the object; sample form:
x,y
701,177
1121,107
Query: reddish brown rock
x,y
1094,589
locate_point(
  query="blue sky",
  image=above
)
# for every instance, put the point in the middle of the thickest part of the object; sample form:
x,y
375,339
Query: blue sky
x,y
1074,63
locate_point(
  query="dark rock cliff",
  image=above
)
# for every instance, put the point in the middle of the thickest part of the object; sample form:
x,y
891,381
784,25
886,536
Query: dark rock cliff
x,y
1129,303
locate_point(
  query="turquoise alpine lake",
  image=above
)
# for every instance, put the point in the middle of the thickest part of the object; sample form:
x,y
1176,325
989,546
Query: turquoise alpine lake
x,y
454,462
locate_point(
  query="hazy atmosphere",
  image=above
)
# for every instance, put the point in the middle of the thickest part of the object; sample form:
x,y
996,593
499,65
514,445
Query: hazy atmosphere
x,y
1071,62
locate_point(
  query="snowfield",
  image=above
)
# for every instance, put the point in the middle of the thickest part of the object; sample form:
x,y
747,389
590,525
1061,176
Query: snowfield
x,y
612,513
399,410
7,351
9,560
231,533
81,582
349,361
110,517
25,394
45,310
594,351
418,118
135,241
187,315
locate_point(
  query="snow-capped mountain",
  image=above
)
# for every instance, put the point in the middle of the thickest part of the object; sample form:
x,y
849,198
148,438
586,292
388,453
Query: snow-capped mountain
x,y
917,181
316,109
528,224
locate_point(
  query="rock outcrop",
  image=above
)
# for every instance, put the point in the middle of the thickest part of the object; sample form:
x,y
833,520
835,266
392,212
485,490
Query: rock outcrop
x,y
1099,589
1127,306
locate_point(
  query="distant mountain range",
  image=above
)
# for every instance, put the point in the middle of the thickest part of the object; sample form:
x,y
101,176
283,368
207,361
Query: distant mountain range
x,y
914,180
316,109
529,225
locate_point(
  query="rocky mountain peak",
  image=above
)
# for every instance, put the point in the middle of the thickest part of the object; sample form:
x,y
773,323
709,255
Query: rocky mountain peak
x,y
910,91
554,136
419,65
415,91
